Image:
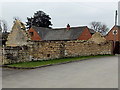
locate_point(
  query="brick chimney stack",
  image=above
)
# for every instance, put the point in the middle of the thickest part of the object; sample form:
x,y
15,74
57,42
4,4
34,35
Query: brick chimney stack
x,y
68,27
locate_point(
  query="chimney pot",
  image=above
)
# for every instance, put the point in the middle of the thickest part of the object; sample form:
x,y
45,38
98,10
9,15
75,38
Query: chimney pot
x,y
68,27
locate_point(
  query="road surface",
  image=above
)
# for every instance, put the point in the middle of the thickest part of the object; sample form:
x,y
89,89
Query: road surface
x,y
92,73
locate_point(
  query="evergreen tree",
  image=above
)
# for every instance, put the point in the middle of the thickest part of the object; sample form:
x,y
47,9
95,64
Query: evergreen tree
x,y
39,19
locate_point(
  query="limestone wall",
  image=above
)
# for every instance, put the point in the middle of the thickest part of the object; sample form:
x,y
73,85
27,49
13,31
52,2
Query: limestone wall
x,y
44,50
87,48
59,49
16,54
1,55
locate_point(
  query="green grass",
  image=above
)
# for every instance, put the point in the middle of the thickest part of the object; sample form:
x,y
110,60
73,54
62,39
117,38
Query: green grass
x,y
54,61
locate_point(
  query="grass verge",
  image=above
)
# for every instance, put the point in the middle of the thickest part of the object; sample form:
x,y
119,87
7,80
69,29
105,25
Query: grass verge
x,y
54,61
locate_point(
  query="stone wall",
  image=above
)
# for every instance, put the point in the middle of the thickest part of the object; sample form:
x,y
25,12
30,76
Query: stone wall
x,y
45,50
59,49
16,54
1,55
87,48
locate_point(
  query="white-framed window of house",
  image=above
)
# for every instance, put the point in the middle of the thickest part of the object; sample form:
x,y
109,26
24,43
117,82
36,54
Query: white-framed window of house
x,y
115,32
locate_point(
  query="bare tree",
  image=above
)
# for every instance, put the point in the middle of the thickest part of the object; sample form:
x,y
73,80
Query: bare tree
x,y
0,26
0,33
3,26
3,32
99,27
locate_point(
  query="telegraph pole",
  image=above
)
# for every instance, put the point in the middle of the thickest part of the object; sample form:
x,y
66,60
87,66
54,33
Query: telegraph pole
x,y
116,18
115,31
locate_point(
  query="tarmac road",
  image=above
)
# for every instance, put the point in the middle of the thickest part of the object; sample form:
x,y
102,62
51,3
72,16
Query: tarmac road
x,y
93,73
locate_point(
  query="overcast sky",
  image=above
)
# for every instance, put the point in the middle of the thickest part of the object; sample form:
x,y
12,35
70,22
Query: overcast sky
x,y
62,13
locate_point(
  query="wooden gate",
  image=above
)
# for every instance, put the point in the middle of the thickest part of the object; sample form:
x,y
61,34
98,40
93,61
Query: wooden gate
x,y
117,48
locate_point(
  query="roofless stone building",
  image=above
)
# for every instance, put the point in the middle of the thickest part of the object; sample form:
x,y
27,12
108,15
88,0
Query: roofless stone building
x,y
18,36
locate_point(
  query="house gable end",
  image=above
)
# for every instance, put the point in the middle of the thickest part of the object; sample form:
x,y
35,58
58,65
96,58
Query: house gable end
x,y
34,34
111,36
85,35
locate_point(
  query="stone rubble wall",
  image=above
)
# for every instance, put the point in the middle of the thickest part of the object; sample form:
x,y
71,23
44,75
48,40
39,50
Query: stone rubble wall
x,y
46,50
87,48
16,54
1,58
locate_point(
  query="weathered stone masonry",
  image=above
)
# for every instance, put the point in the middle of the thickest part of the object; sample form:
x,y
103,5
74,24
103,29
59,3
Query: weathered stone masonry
x,y
16,54
59,49
87,48
46,50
